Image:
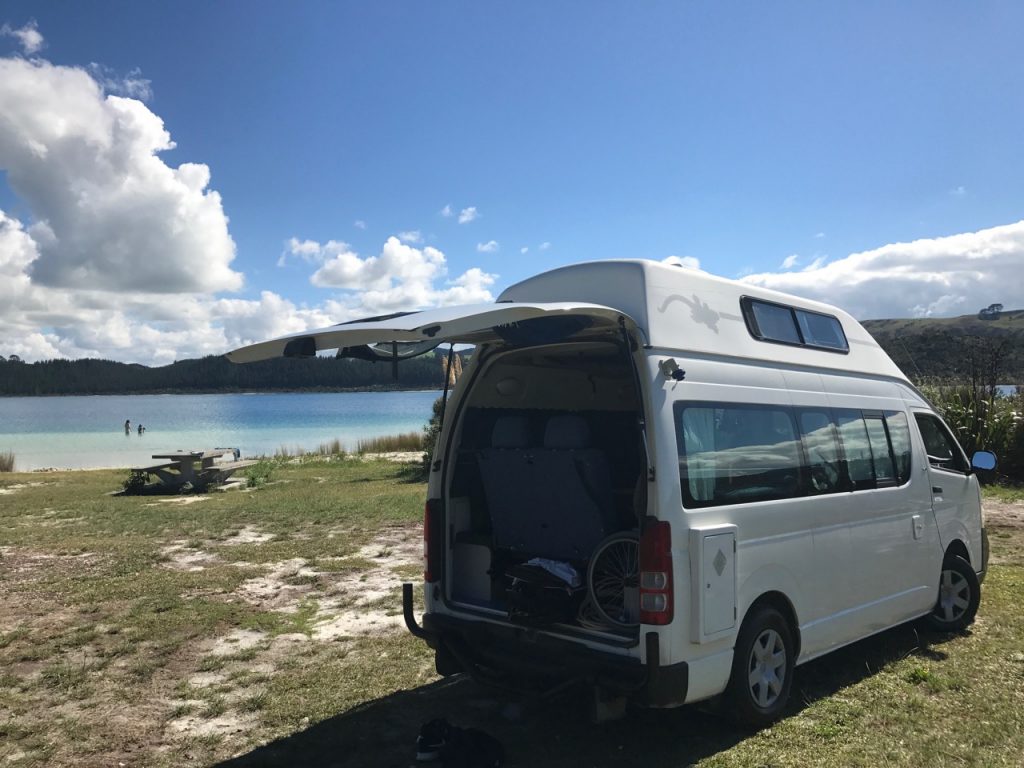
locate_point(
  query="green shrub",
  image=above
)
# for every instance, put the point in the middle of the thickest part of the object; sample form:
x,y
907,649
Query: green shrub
x,y
984,421
258,474
430,432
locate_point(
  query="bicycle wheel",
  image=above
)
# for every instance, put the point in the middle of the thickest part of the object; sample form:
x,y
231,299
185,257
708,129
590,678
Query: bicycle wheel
x,y
613,580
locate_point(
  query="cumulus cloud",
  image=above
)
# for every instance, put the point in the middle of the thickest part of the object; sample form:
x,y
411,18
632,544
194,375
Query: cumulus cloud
x,y
491,246
938,276
107,213
447,212
690,262
28,36
467,215
411,236
133,85
400,277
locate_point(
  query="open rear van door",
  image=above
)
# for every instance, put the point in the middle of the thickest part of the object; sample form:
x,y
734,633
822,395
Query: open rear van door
x,y
404,335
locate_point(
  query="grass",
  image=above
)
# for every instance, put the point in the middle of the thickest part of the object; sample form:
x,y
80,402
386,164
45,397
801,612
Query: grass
x,y
408,441
107,647
1005,493
6,461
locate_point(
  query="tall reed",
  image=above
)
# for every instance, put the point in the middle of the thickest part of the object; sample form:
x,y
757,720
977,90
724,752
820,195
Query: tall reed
x,y
6,461
408,441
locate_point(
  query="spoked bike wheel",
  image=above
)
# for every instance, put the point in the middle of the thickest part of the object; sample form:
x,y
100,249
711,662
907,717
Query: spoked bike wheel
x,y
613,580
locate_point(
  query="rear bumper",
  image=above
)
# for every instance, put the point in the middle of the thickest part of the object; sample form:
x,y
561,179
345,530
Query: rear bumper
x,y
523,660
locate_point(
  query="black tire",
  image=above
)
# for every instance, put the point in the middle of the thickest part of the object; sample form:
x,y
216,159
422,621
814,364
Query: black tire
x,y
959,596
756,696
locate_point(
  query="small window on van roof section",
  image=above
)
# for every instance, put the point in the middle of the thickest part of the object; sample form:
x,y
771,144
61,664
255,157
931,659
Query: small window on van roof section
x,y
775,322
768,321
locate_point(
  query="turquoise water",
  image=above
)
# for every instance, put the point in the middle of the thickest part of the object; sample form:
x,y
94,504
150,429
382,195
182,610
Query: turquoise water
x,y
83,432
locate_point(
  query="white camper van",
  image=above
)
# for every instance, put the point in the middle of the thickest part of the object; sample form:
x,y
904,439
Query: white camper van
x,y
673,486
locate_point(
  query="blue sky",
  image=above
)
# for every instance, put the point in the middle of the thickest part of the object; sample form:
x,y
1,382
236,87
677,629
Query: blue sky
x,y
743,136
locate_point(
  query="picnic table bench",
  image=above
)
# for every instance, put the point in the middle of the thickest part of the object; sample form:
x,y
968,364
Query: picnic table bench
x,y
199,468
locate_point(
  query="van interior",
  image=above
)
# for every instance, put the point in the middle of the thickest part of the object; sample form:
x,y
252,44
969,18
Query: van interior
x,y
549,467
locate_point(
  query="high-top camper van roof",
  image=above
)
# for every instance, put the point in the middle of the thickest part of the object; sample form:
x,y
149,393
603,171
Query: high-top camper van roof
x,y
673,308
678,308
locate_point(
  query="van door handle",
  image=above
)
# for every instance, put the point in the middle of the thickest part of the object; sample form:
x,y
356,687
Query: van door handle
x,y
936,489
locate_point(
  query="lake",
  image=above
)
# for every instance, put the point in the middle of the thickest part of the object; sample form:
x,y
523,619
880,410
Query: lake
x,y
88,432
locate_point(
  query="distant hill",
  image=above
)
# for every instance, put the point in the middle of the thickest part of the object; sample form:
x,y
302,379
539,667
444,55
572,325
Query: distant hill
x,y
215,374
946,347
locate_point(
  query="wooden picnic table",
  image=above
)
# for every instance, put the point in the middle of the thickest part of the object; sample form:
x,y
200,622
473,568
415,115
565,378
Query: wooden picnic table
x,y
200,468
186,461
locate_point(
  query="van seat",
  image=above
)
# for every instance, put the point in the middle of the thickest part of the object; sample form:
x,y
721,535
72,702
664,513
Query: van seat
x,y
576,481
506,470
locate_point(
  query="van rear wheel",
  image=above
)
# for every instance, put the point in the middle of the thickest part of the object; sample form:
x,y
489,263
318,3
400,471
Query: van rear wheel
x,y
959,596
762,668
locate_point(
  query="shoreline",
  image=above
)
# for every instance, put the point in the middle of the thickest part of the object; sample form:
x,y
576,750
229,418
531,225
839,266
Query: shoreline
x,y
196,392
398,457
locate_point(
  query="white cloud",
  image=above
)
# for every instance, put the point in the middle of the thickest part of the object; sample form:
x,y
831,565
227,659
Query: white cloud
x,y
359,224
28,36
819,235
309,251
133,85
791,261
524,250
467,215
690,262
491,246
544,246
447,212
401,277
411,236
957,274
107,213
959,191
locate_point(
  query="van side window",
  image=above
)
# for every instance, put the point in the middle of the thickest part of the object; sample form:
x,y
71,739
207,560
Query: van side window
x,y
942,449
782,324
881,453
732,454
854,436
824,467
775,322
899,436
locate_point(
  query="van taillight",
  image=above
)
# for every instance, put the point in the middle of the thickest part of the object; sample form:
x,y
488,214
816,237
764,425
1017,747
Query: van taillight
x,y
432,540
656,573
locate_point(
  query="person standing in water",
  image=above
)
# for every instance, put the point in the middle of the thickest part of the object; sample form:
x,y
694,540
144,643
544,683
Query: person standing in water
x,y
141,429
127,426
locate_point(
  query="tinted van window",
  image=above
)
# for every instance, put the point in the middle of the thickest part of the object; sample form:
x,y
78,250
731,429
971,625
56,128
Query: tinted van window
x,y
942,449
824,461
854,436
730,454
899,437
881,455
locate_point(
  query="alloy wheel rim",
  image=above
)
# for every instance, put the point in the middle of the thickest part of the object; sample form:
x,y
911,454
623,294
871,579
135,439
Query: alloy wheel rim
x,y
954,596
767,668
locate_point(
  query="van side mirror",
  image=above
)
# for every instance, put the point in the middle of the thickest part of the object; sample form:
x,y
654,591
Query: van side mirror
x,y
983,460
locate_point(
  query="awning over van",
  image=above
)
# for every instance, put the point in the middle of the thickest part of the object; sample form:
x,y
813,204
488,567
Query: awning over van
x,y
407,334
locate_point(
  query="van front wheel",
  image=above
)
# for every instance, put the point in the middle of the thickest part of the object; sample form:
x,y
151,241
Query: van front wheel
x,y
762,668
959,596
